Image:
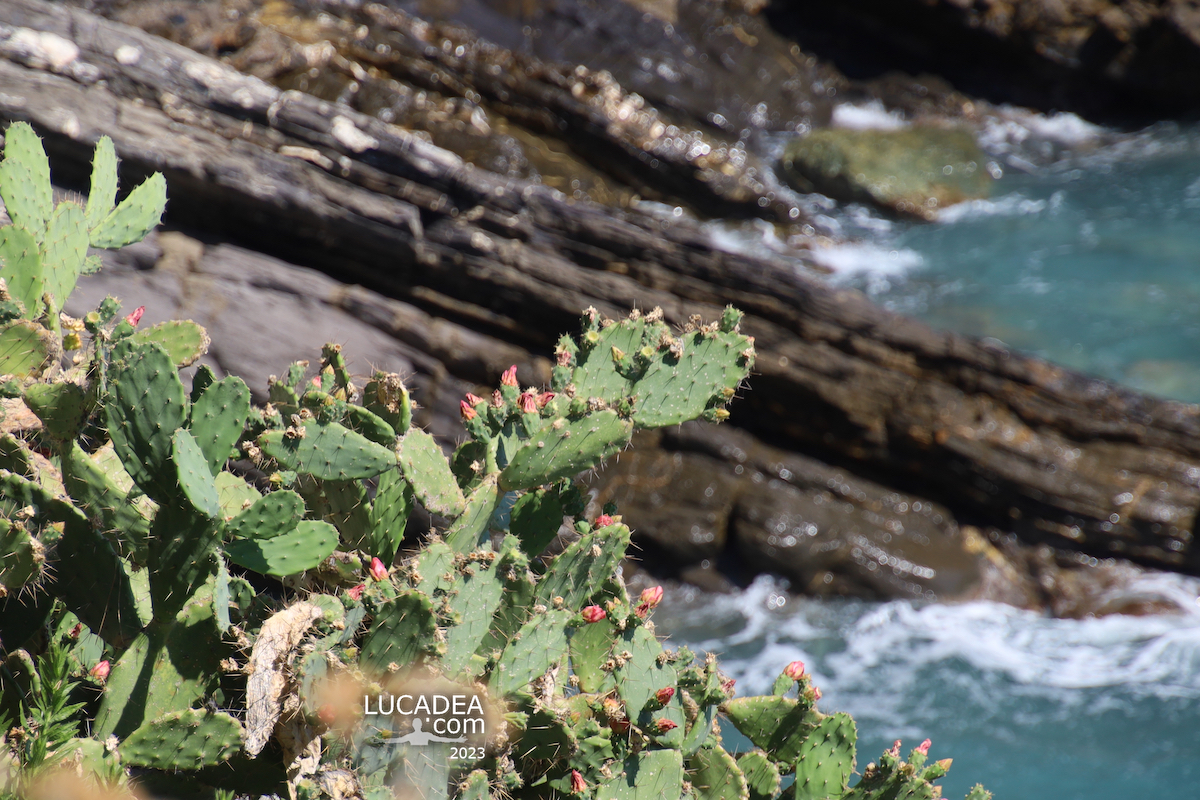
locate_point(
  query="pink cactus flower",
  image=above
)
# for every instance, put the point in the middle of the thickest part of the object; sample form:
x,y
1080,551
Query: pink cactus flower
x,y
563,358
923,748
378,570
497,399
101,670
648,600
602,521
356,592
135,316
665,725
509,378
472,399
544,398
76,631
528,402
326,714
895,751
466,412
727,686
578,784
794,670
664,695
593,614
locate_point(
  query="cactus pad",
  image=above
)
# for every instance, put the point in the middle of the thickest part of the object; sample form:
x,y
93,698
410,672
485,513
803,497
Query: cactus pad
x,y
103,194
564,448
22,556
60,406
64,251
184,340
25,179
146,404
826,759
539,645
218,416
327,450
535,520
778,725
649,775
300,549
136,216
716,776
404,630
580,571
429,473
270,516
21,268
26,349
473,600
183,740
389,515
471,528
195,478
762,776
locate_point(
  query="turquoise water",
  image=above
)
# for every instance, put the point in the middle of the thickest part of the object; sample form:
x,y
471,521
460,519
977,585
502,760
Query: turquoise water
x,y
1032,707
1092,262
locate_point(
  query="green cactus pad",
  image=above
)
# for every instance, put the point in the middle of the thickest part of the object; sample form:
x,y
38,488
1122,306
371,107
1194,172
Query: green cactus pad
x,y
826,759
181,546
25,179
184,340
135,217
64,251
762,776
564,448
649,775
22,557
429,473
370,425
540,644
95,584
386,396
600,370
26,349
183,740
62,407
978,793
716,776
221,595
21,268
103,194
195,478
389,515
778,725
272,515
236,495
580,571
219,414
473,599
105,504
591,648
674,390
515,606
546,738
327,451
433,571
470,530
404,630
146,404
536,518
475,787
302,548
643,674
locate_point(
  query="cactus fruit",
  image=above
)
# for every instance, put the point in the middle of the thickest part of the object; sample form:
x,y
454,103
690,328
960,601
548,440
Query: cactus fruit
x,y
426,469
26,349
826,759
183,740
184,340
326,450
304,547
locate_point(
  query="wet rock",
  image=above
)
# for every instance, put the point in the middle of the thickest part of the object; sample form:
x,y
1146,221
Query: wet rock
x,y
913,171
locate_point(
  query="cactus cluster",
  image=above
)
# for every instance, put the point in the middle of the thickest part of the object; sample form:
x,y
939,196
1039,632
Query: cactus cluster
x,y
229,582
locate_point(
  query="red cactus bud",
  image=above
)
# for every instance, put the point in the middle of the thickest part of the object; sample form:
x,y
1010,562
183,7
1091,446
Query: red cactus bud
x,y
665,725
528,402
923,748
578,784
794,670
356,592
619,725
563,358
135,316
593,614
497,399
473,400
895,751
652,596
727,685
316,381
544,398
78,629
665,694
326,714
813,694
378,570
602,521
101,670
466,412
509,378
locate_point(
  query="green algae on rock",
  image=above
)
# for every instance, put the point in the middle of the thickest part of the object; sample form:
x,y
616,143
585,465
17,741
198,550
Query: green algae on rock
x,y
913,172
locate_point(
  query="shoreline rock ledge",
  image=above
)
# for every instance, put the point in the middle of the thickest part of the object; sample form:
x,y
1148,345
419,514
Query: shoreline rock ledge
x,y
462,271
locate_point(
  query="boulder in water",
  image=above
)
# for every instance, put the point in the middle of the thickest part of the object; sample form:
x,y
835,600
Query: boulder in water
x,y
913,171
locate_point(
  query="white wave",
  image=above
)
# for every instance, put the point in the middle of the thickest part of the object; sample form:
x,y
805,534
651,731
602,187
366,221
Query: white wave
x,y
1009,205
870,115
859,258
1014,126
